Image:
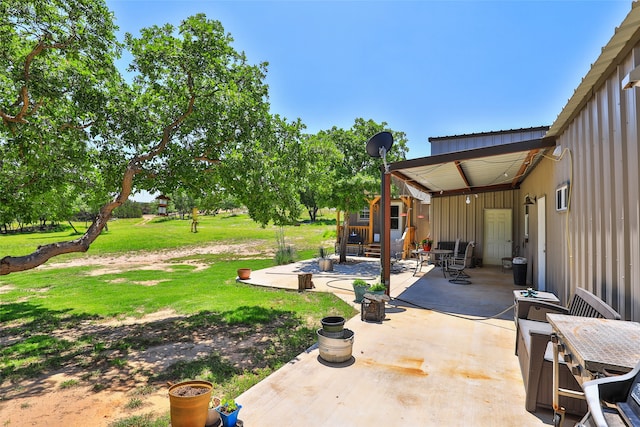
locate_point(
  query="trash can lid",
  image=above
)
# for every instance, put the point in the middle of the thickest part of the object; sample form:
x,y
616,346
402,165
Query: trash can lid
x,y
519,260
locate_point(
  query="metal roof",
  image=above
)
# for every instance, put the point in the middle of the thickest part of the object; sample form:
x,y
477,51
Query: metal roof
x,y
495,168
504,167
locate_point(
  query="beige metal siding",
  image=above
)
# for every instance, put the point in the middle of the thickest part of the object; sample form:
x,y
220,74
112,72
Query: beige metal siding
x,y
541,183
603,254
452,218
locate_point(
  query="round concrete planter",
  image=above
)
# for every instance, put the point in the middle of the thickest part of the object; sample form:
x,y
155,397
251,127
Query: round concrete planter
x,y
335,350
333,326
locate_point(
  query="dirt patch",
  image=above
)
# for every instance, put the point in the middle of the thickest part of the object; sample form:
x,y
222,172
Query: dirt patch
x,y
160,260
95,385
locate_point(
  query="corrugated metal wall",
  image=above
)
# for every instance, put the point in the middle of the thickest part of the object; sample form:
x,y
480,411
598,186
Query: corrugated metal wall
x,y
452,218
462,142
603,221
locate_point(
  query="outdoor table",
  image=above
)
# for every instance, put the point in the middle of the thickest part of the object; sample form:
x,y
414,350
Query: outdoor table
x,y
592,348
523,295
439,257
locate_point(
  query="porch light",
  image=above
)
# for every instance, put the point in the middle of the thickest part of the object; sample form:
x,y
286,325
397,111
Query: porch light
x,y
632,79
530,201
468,201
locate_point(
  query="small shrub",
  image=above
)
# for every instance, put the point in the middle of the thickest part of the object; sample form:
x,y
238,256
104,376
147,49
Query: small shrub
x,y
69,384
134,403
361,283
285,254
378,287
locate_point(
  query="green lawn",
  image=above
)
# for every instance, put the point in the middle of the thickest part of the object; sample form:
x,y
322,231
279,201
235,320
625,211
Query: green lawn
x,y
125,235
38,306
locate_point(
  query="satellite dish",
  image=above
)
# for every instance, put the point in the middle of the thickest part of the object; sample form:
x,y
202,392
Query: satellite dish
x,y
379,145
379,141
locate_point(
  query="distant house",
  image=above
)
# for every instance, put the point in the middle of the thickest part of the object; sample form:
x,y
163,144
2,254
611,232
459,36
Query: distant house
x,y
163,203
409,224
571,193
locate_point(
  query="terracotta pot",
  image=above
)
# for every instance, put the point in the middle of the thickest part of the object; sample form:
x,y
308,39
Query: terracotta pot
x,y
426,247
244,273
189,411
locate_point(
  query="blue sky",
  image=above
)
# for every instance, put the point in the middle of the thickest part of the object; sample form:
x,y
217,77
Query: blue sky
x,y
427,68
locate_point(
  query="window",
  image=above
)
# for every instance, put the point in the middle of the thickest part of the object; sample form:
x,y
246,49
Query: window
x,y
395,217
364,215
562,198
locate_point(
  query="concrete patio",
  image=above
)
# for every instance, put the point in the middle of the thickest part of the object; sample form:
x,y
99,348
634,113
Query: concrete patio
x,y
444,355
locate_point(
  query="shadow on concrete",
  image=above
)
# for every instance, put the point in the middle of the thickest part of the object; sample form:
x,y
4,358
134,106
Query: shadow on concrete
x,y
490,294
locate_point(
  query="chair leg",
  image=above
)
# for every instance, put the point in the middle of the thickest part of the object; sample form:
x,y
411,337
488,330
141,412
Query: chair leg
x,y
460,278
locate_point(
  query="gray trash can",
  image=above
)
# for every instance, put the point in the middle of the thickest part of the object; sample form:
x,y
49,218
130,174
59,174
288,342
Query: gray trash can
x,y
519,271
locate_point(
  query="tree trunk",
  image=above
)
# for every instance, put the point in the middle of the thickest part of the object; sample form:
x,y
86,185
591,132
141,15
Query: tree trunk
x,y
313,213
344,239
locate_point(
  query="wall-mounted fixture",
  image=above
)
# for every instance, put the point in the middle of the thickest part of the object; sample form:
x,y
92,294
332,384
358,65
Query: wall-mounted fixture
x,y
562,198
632,79
468,200
379,145
528,200
557,151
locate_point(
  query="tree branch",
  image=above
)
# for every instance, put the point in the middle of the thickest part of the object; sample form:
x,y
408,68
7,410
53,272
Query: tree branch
x,y
26,76
44,253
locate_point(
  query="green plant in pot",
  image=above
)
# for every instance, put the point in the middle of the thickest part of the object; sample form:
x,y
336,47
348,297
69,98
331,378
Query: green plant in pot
x,y
427,243
228,410
360,287
378,288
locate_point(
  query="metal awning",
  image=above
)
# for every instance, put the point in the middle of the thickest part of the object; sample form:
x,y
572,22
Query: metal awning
x,y
495,168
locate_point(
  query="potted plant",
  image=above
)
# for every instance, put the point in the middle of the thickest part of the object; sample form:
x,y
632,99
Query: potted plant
x,y
378,288
360,287
325,263
228,410
427,243
188,402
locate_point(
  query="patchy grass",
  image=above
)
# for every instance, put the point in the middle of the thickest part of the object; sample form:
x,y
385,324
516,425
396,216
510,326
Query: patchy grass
x,y
79,319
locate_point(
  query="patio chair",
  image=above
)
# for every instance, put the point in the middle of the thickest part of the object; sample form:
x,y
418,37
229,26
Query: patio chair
x,y
613,401
456,266
397,252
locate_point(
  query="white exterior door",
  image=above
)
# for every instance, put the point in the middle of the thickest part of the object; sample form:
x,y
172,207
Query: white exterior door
x,y
396,221
498,229
542,244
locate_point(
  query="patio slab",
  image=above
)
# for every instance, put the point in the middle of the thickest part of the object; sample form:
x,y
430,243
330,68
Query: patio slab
x,y
444,355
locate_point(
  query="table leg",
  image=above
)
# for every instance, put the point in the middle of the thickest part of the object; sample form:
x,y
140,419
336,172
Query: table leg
x,y
443,263
418,263
558,412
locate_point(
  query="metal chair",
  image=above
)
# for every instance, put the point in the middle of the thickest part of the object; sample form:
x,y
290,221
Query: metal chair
x,y
455,266
397,252
613,401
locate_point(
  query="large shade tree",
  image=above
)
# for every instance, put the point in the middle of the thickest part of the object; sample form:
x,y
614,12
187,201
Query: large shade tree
x,y
191,110
356,175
